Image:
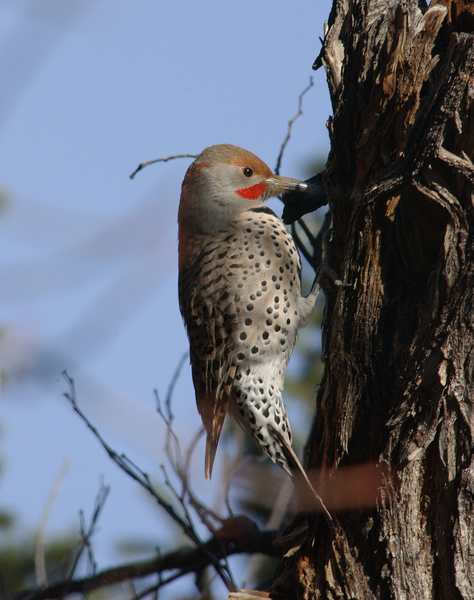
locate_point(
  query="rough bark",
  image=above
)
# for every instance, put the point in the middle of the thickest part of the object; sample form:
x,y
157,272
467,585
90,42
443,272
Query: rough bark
x,y
398,386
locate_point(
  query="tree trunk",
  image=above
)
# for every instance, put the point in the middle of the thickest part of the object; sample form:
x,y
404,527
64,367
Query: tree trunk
x,y
398,345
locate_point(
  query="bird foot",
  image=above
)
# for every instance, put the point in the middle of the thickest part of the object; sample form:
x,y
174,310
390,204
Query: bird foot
x,y
331,273
325,268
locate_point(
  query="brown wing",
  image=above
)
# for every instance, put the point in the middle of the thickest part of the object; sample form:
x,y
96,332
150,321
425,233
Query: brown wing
x,y
209,314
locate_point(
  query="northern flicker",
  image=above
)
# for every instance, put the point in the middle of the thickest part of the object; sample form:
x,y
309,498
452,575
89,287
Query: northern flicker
x,y
240,297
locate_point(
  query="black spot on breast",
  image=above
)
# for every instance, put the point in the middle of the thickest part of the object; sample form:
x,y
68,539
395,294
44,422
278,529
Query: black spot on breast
x,y
243,336
254,350
249,307
248,322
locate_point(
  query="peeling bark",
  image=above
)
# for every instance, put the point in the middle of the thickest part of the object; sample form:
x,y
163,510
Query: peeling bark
x,y
398,386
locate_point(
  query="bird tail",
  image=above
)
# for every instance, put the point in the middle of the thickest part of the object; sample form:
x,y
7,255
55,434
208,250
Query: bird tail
x,y
306,492
211,449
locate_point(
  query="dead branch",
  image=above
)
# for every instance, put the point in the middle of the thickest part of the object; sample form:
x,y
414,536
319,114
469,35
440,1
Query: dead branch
x,y
290,124
133,471
86,533
185,560
165,159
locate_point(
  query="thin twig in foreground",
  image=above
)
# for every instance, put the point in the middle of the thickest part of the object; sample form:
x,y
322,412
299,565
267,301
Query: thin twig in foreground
x,y
165,159
290,124
87,533
185,560
143,479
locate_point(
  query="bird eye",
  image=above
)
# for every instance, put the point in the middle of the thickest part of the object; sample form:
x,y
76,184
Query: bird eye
x,y
248,172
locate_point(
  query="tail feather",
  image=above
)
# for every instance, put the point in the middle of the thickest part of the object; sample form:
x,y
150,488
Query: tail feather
x,y
302,484
211,449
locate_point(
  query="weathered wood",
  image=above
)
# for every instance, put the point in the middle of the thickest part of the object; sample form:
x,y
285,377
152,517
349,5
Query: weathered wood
x,y
398,386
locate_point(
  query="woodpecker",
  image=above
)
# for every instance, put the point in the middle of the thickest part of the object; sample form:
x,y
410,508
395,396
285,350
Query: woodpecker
x,y
240,297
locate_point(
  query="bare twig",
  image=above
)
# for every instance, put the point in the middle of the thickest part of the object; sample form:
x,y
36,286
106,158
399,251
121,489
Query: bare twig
x,y
302,224
186,560
87,533
308,233
133,471
316,257
168,417
165,159
181,470
290,124
40,561
302,248
180,466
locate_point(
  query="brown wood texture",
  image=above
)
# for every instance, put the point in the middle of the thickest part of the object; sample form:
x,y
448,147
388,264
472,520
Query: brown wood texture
x,y
398,388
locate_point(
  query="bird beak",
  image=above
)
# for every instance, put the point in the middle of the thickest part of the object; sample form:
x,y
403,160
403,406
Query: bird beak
x,y
281,185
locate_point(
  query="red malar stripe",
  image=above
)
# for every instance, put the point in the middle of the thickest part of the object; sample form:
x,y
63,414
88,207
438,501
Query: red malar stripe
x,y
253,192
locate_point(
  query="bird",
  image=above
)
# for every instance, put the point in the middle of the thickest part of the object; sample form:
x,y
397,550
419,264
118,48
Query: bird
x,y
240,298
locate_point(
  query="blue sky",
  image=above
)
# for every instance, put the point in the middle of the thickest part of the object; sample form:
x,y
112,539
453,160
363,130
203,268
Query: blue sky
x,y
88,258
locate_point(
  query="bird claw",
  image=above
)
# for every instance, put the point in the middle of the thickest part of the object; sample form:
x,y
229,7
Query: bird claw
x,y
325,268
331,273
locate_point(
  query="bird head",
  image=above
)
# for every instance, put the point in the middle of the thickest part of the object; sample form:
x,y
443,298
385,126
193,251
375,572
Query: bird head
x,y
223,181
